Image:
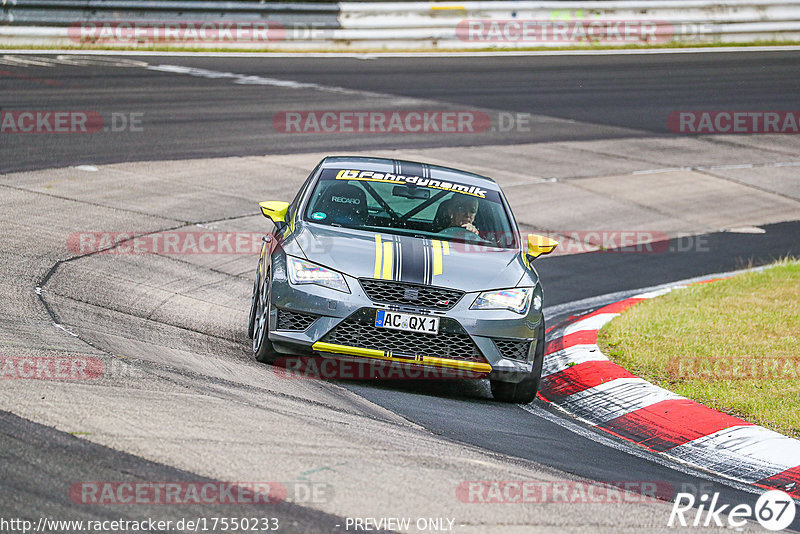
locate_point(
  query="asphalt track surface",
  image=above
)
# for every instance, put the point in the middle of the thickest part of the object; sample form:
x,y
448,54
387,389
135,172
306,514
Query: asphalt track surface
x,y
192,116
34,488
195,116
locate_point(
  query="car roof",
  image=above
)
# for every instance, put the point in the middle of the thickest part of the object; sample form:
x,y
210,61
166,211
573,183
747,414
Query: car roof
x,y
408,168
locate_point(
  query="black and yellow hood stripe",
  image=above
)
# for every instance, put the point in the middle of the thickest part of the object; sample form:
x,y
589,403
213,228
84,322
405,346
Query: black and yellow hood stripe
x,y
407,259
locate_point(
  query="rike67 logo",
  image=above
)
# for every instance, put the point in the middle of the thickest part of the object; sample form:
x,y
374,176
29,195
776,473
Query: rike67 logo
x,y
774,510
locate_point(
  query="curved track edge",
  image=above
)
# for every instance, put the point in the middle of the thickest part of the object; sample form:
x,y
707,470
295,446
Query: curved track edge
x,y
580,380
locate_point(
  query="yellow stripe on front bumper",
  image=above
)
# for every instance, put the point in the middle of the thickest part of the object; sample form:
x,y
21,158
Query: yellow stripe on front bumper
x,y
381,355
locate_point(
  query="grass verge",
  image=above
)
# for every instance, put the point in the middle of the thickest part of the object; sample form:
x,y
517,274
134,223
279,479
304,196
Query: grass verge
x,y
733,345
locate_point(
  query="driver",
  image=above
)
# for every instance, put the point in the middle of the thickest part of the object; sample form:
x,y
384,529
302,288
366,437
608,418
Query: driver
x,y
461,212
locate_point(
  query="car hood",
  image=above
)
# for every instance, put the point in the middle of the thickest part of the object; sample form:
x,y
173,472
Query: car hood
x,y
411,259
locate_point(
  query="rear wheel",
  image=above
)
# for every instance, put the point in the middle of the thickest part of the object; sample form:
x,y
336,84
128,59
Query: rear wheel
x,y
262,346
524,391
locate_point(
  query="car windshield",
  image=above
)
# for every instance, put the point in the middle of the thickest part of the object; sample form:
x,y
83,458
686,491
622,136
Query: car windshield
x,y
424,207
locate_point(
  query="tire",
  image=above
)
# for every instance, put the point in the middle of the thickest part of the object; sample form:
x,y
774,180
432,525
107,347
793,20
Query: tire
x,y
251,323
524,391
262,346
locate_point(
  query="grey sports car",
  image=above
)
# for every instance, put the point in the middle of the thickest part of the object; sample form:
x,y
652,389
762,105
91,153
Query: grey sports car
x,y
402,263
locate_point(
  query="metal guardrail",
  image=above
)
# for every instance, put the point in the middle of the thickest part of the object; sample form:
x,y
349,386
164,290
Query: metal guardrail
x,y
360,25
702,21
66,12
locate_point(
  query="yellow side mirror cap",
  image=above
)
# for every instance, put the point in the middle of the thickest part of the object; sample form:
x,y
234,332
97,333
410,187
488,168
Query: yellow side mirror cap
x,y
539,245
274,210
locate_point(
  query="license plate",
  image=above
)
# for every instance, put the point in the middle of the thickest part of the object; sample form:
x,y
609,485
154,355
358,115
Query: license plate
x,y
407,322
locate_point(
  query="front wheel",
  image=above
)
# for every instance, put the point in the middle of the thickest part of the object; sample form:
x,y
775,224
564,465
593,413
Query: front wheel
x,y
251,322
262,346
525,390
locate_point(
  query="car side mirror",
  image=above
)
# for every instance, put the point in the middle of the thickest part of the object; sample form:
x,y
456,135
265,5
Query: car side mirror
x,y
539,245
275,210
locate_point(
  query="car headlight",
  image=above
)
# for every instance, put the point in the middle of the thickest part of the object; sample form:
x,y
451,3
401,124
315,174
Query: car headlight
x,y
305,272
516,300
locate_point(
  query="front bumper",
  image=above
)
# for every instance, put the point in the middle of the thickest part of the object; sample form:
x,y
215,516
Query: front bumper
x,y
388,356
488,330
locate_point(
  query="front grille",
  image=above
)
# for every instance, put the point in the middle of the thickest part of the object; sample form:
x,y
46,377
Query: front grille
x,y
451,342
290,320
513,348
431,297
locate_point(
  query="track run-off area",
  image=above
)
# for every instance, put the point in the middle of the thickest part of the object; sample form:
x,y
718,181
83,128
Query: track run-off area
x,y
180,145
